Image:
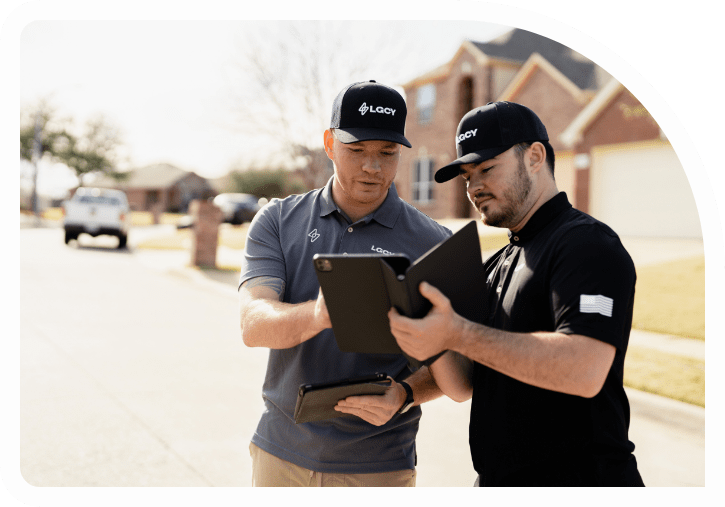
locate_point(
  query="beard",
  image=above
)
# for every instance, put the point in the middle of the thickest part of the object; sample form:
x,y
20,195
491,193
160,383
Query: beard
x,y
514,196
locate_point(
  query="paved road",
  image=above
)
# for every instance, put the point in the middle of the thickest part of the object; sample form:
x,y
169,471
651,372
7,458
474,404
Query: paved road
x,y
133,375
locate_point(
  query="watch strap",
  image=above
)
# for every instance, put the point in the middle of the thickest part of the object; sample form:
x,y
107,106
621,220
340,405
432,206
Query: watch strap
x,y
409,400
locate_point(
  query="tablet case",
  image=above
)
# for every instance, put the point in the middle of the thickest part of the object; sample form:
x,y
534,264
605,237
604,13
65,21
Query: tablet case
x,y
359,289
316,402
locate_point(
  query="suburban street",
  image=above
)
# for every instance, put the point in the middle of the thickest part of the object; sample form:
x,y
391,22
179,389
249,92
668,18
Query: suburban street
x,y
133,374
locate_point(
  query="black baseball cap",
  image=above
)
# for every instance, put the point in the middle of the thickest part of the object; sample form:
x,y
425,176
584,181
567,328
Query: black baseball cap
x,y
369,111
490,130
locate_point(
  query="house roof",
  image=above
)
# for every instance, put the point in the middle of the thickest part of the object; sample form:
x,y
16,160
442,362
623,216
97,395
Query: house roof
x,y
573,133
536,62
155,176
151,176
518,45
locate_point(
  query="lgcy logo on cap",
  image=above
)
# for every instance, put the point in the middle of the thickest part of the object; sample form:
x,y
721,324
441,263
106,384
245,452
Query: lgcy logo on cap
x,y
380,109
466,135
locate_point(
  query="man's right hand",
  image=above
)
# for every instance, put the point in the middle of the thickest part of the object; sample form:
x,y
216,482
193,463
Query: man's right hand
x,y
430,335
322,317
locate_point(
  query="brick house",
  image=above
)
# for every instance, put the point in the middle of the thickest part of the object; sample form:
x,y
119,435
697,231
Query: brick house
x,y
520,66
625,167
161,187
612,159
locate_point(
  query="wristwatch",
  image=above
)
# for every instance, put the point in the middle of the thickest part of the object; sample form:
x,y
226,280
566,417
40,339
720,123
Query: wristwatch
x,y
408,398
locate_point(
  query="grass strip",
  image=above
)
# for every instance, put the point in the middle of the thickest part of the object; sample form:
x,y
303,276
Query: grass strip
x,y
676,377
177,240
670,298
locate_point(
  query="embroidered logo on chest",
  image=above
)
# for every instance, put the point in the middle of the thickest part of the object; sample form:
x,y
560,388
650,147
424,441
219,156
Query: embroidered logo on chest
x,y
313,236
380,250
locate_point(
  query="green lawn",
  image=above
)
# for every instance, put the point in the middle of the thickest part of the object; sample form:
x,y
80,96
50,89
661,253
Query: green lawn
x,y
676,377
670,298
137,217
232,236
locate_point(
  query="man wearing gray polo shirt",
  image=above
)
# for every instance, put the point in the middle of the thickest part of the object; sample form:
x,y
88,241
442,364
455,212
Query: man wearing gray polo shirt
x,y
282,308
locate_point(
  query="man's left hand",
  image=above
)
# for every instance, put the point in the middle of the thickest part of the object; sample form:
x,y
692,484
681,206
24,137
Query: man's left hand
x,y
375,409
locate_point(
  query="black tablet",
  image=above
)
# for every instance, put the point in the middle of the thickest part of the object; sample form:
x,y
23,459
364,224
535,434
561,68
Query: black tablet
x,y
360,289
316,402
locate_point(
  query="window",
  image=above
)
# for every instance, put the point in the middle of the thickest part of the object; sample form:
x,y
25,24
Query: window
x,y
425,102
99,199
423,180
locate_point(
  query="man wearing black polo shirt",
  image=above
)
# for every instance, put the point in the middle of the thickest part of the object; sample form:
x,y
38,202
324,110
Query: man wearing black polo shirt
x,y
545,368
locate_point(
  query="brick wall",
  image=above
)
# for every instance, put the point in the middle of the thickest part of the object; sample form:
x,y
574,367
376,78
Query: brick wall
x,y
435,139
551,102
624,120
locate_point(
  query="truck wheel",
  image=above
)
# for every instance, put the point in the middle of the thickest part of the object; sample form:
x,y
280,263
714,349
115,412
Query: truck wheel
x,y
122,241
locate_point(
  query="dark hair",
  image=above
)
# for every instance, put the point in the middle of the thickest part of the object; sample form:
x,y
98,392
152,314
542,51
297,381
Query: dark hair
x,y
521,148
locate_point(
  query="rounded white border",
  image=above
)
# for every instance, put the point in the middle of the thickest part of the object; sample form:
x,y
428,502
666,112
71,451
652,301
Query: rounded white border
x,y
371,9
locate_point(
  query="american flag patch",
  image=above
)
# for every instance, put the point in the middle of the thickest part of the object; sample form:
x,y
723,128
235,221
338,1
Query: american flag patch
x,y
596,304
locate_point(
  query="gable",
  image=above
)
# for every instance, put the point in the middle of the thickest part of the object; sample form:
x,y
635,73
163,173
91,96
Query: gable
x,y
614,116
518,45
542,88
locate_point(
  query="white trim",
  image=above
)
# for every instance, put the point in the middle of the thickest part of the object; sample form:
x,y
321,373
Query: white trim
x,y
573,133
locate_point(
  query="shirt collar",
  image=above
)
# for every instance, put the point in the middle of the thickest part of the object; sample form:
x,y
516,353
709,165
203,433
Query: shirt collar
x,y
327,205
386,214
541,218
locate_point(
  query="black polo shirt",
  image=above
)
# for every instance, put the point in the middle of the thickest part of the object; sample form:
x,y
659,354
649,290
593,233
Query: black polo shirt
x,y
564,272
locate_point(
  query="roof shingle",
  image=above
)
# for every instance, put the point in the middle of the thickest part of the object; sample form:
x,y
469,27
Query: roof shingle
x,y
518,45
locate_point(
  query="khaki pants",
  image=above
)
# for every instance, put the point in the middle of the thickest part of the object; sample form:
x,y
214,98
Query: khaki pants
x,y
268,470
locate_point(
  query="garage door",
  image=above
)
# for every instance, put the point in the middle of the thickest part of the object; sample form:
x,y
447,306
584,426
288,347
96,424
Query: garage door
x,y
642,190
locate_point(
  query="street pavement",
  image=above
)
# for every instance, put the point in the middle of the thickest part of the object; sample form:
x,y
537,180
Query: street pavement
x,y
132,373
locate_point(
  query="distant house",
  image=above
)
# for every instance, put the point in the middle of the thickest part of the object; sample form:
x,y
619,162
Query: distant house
x,y
586,113
161,187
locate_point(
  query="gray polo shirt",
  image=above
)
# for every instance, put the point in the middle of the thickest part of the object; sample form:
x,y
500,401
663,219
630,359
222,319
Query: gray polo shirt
x,y
282,239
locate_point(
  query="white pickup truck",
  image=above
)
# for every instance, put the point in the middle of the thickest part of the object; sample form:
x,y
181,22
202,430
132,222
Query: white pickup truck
x,y
97,211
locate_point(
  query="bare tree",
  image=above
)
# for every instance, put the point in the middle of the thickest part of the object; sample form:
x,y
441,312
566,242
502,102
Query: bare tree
x,y
95,149
42,132
288,75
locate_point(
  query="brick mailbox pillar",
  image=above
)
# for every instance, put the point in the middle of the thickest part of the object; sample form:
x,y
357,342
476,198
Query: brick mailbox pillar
x,y
156,211
205,234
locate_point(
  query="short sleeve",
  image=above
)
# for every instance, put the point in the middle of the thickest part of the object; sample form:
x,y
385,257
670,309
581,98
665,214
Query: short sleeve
x,y
263,254
592,285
